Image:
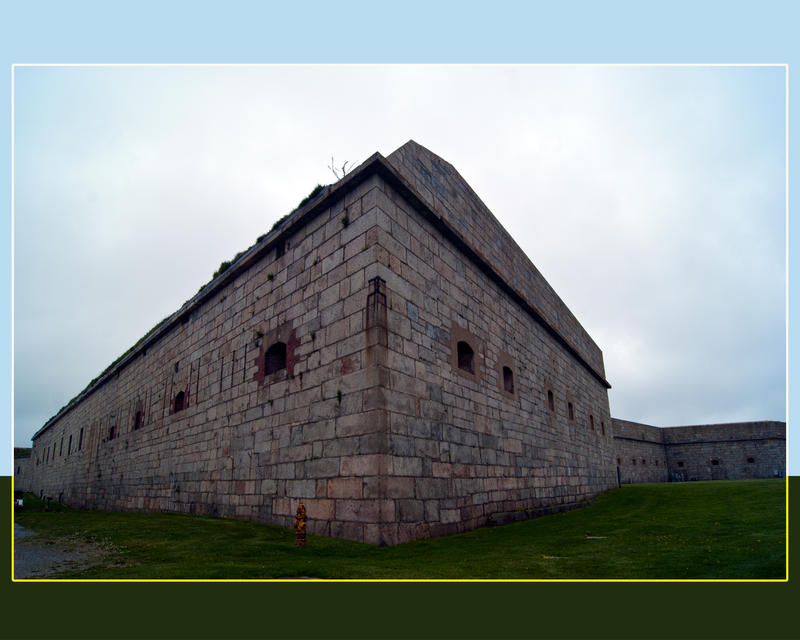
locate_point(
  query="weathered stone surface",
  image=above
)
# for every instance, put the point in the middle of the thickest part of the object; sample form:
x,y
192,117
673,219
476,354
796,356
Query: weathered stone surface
x,y
734,451
345,488
403,373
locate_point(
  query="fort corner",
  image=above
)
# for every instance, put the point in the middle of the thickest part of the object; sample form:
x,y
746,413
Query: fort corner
x,y
387,356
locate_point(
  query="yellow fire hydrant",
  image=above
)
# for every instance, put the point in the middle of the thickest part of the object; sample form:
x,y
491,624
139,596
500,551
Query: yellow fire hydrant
x,y
300,526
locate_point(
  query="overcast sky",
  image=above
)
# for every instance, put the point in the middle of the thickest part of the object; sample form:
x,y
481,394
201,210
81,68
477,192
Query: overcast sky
x,y
651,198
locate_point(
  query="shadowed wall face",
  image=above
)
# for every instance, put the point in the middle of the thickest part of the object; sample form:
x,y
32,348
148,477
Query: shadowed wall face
x,y
734,451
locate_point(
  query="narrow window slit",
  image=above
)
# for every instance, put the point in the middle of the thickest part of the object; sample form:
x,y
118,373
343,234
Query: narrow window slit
x,y
508,380
275,358
466,357
179,402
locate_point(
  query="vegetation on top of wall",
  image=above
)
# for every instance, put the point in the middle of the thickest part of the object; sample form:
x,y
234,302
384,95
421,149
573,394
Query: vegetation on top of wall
x,y
223,266
133,348
311,196
111,366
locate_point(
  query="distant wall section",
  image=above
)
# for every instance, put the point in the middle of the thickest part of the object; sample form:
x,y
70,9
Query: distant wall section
x,y
22,469
734,451
641,454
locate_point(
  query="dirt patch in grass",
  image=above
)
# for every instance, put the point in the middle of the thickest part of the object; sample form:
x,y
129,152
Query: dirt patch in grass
x,y
44,557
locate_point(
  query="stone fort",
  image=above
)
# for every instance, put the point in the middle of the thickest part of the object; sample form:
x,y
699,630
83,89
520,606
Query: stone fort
x,y
388,356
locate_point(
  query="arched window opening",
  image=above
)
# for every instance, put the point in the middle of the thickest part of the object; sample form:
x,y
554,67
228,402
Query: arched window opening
x,y
137,421
508,380
112,432
275,358
178,404
551,401
570,411
466,357
591,421
603,427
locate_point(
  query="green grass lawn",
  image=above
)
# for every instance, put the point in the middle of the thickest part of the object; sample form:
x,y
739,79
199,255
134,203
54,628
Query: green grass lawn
x,y
732,529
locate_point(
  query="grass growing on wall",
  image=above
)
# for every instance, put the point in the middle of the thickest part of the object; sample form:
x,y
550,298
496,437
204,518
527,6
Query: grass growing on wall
x,y
733,529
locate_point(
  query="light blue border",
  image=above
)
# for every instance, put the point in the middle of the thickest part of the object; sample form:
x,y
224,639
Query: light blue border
x,y
336,32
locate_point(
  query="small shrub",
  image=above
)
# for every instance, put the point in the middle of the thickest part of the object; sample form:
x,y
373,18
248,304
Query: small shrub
x,y
314,193
277,224
223,267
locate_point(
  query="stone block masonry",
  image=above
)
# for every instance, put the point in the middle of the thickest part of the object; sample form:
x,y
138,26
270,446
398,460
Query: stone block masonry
x,y
489,410
734,451
22,469
252,398
387,356
640,452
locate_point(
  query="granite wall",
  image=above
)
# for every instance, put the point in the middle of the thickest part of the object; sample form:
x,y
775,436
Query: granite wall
x,y
733,451
426,378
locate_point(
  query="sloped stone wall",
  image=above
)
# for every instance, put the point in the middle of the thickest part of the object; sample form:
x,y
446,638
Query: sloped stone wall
x,y
442,188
